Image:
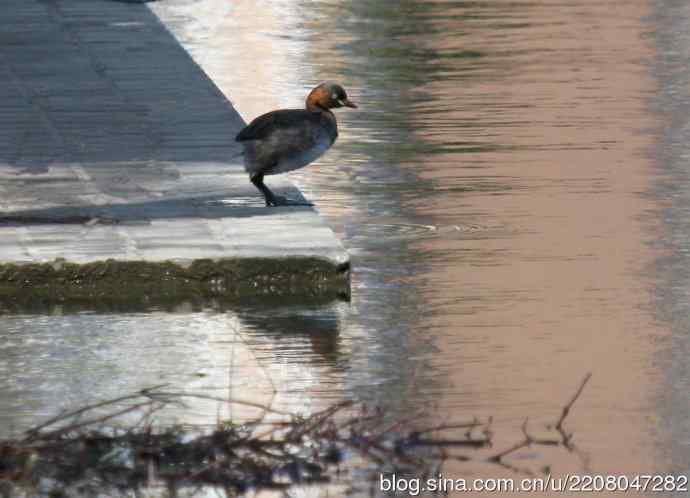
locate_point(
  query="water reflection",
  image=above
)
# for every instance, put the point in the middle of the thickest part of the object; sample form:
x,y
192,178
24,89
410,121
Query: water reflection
x,y
489,190
53,361
671,306
291,330
519,117
494,190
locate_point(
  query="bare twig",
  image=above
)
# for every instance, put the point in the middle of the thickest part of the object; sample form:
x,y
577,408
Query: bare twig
x,y
529,440
569,405
230,457
94,406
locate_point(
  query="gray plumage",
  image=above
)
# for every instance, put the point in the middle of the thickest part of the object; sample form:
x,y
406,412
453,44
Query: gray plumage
x,y
285,140
289,139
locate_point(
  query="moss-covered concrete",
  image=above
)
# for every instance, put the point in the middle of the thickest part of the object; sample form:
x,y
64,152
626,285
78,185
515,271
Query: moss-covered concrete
x,y
140,282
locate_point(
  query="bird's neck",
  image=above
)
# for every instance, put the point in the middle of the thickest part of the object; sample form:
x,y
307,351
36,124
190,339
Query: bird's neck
x,y
316,107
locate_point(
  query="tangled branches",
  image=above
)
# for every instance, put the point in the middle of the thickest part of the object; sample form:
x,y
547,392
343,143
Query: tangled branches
x,y
79,453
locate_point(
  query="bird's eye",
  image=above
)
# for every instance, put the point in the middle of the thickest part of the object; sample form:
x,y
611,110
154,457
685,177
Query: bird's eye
x,y
334,96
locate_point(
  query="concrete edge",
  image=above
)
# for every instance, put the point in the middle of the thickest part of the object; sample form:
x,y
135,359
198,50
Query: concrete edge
x,y
144,283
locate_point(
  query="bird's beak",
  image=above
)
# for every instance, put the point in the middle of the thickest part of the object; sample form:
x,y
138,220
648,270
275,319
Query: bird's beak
x,y
348,103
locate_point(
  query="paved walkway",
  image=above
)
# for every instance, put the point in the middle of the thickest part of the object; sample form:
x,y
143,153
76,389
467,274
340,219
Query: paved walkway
x,y
115,144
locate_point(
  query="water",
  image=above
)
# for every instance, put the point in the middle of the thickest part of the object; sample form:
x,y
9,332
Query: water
x,y
513,192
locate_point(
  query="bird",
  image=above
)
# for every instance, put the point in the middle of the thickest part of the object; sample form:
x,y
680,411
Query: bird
x,y
288,139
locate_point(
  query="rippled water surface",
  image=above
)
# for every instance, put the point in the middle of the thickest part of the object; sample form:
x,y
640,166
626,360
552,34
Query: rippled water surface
x,y
513,192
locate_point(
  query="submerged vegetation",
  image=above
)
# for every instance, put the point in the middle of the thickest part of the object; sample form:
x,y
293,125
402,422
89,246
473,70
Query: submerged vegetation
x,y
91,452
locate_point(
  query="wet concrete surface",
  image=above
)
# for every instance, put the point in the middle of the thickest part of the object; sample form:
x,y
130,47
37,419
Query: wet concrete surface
x,y
115,145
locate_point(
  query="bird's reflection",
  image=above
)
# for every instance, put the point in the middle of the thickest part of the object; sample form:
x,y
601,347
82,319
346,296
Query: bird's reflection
x,y
297,334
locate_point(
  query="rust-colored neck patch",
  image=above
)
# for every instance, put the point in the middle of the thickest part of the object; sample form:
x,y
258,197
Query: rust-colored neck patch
x,y
319,99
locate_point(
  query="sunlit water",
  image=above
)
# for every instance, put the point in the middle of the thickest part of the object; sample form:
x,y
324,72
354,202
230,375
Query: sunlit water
x,y
513,191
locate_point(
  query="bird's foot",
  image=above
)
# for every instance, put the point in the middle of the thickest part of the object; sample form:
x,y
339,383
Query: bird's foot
x,y
279,200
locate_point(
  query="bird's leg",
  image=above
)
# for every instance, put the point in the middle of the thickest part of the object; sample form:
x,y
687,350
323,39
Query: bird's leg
x,y
271,199
258,181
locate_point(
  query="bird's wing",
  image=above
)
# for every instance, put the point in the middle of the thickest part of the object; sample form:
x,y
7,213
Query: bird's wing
x,y
271,122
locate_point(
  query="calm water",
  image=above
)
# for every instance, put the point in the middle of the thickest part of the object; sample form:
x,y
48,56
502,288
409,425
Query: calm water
x,y
514,194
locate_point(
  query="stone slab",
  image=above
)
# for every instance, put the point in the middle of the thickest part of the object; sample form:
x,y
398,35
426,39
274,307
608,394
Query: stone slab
x,y
115,145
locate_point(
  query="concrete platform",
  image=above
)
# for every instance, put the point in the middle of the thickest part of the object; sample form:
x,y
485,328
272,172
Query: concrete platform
x,y
116,147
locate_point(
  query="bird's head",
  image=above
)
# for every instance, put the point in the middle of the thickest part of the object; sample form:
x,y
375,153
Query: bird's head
x,y
328,95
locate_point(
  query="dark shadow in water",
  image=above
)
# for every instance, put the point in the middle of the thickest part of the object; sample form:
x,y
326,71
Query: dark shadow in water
x,y
284,325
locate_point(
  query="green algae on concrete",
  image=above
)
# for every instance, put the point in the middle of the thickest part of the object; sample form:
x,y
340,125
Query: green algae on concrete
x,y
142,281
